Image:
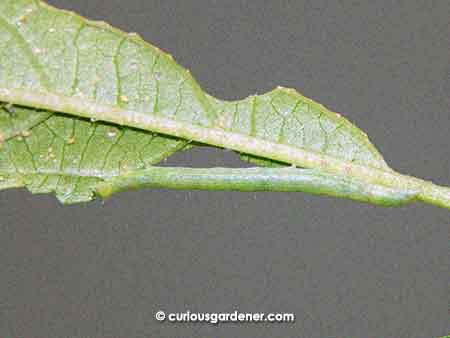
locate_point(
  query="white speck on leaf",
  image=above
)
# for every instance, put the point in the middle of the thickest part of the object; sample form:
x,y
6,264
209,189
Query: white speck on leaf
x,y
21,20
5,91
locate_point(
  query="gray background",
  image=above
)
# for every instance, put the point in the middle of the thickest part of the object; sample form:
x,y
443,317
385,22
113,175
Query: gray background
x,y
345,269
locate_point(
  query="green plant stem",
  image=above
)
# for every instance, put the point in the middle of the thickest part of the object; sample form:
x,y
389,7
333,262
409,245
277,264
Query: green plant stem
x,y
426,191
255,179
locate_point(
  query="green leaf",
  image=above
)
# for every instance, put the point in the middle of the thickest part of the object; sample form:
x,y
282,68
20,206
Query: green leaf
x,y
67,55
57,61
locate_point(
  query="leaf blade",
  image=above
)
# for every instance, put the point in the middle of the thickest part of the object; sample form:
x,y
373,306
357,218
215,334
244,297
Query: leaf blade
x,y
108,67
